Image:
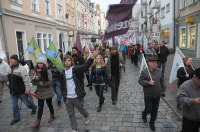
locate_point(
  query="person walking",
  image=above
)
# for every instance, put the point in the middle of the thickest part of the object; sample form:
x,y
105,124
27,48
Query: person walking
x,y
19,86
185,73
150,50
44,91
99,79
72,87
56,83
189,97
153,88
123,49
114,65
162,52
87,55
4,71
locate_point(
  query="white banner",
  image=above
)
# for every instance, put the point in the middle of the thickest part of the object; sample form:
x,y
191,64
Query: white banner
x,y
177,63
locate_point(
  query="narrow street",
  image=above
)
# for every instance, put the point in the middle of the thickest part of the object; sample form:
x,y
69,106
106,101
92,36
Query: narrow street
x,y
125,116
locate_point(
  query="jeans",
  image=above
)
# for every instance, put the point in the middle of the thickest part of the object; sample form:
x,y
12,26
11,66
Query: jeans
x,y
190,126
79,104
99,91
57,90
41,106
151,106
114,87
163,67
15,107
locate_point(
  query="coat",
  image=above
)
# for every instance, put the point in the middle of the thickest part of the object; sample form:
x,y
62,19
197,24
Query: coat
x,y
152,90
77,72
44,89
162,53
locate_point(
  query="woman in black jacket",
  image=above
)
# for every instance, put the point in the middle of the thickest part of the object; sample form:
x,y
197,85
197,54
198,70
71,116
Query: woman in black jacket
x,y
99,78
185,73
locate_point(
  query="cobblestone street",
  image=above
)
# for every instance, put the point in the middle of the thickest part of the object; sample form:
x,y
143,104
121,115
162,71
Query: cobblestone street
x,y
125,116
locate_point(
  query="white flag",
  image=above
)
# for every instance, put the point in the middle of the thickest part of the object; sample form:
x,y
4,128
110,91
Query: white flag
x,y
143,63
177,63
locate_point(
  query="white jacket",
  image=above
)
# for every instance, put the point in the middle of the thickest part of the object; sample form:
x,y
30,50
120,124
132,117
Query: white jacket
x,y
4,70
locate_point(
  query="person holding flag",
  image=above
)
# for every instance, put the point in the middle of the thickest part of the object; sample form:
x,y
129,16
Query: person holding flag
x,y
153,88
185,73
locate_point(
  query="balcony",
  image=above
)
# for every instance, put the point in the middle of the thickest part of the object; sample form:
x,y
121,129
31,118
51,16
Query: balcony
x,y
156,4
144,2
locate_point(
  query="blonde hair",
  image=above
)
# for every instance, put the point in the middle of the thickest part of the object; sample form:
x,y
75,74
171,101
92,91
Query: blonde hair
x,y
185,59
102,64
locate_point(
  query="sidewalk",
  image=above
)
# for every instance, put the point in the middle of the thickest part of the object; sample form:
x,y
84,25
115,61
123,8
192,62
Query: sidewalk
x,y
172,89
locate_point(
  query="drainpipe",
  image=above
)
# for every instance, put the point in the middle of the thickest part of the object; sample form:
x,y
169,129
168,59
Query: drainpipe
x,y
4,33
174,35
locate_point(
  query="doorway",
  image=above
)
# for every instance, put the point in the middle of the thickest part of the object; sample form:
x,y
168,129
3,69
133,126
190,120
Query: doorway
x,y
20,45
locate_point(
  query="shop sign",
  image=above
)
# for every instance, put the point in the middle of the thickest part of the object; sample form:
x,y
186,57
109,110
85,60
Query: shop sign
x,y
155,28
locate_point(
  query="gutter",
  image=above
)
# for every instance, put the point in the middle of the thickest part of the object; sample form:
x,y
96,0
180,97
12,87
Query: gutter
x,y
4,32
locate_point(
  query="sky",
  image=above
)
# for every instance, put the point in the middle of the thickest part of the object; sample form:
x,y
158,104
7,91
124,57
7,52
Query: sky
x,y
105,3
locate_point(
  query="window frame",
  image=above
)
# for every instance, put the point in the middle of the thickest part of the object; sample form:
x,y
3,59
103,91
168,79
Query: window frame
x,y
48,7
180,33
162,12
42,39
37,7
189,35
17,1
167,8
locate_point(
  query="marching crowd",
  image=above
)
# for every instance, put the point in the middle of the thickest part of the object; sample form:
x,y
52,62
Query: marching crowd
x,y
102,69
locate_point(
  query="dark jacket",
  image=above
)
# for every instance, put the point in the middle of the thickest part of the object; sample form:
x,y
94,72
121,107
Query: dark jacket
x,y
77,70
19,80
162,53
55,73
78,59
152,90
181,75
100,75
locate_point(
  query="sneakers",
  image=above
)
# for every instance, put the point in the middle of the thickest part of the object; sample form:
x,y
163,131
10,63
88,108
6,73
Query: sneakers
x,y
14,122
152,127
59,103
144,118
34,110
87,120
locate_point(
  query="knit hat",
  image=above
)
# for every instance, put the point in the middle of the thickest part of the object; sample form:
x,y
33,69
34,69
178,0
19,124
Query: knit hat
x,y
15,57
152,58
75,48
197,72
42,60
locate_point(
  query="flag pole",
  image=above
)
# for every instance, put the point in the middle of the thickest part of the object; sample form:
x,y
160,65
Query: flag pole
x,y
147,67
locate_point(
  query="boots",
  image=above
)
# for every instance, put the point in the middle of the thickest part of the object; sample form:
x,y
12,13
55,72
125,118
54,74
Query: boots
x,y
37,124
99,109
52,117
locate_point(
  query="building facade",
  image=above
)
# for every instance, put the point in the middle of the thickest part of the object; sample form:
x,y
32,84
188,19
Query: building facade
x,y
46,21
188,27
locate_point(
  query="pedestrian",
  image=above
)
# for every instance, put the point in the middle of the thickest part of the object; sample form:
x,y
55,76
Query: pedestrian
x,y
153,88
19,85
87,55
150,50
56,83
44,91
185,73
99,79
162,52
78,58
135,54
114,65
189,97
4,71
72,87
123,49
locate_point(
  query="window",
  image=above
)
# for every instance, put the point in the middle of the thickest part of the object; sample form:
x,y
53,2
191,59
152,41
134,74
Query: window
x,y
35,5
167,7
69,20
48,7
60,16
17,1
73,19
44,40
183,37
163,12
182,4
192,36
192,1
